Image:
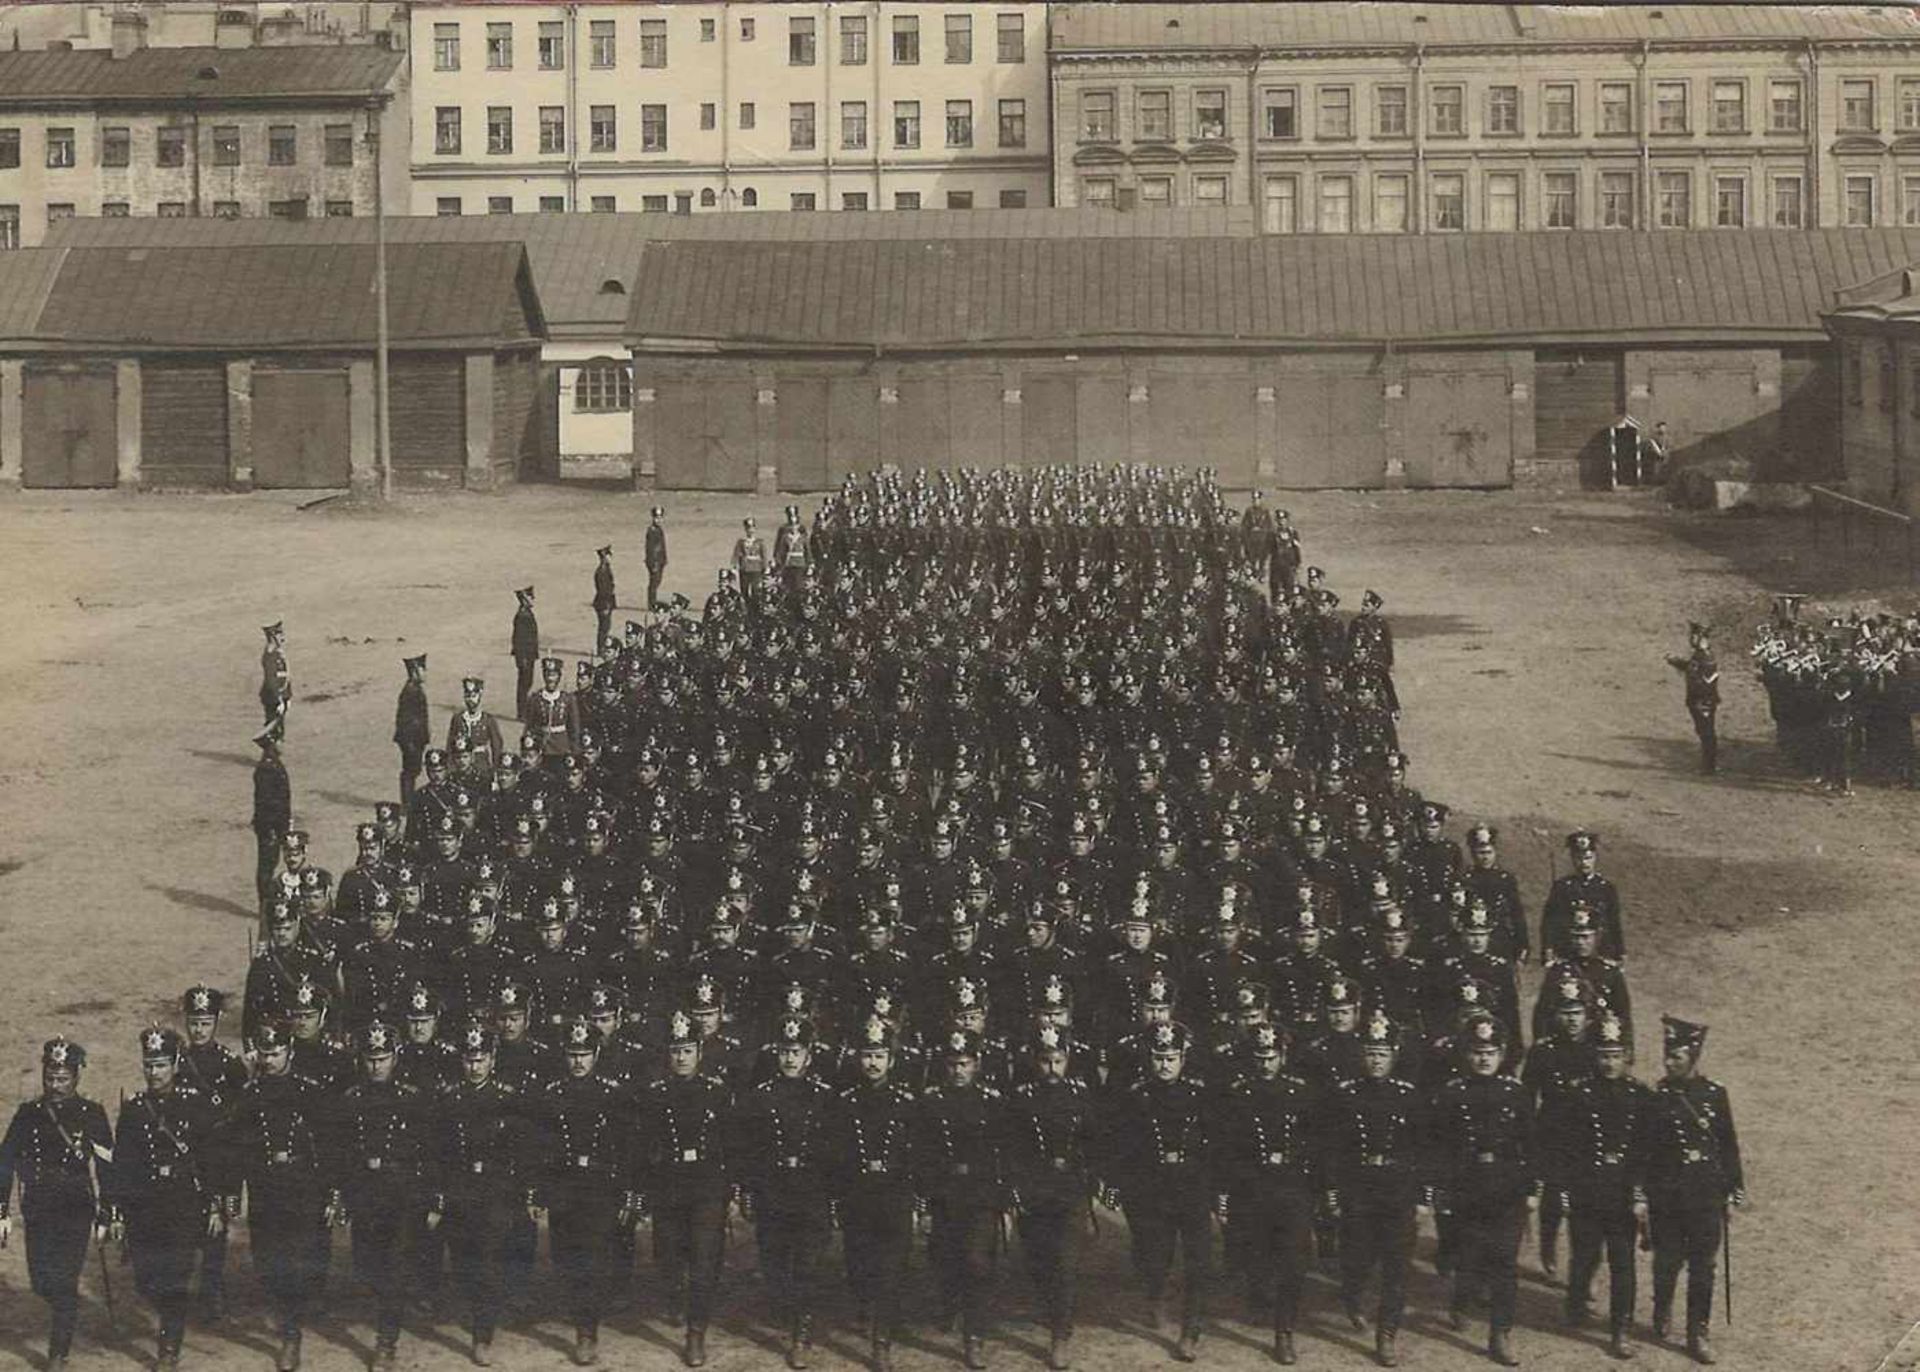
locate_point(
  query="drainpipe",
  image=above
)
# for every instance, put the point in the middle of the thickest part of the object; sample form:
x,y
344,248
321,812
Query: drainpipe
x,y
197,211
573,107
880,123
1644,123
1417,117
1254,198
824,125
1818,218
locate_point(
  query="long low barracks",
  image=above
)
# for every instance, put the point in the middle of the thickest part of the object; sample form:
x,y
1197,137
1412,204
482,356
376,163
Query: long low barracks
x,y
779,352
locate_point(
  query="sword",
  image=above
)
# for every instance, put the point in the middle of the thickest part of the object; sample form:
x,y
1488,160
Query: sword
x,y
106,1286
1726,1258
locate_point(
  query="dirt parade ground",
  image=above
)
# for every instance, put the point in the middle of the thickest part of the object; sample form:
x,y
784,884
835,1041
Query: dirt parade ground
x,y
1532,635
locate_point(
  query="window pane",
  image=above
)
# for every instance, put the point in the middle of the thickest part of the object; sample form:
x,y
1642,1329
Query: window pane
x,y
1786,202
1210,114
1559,190
1449,106
1729,107
1390,111
116,147
1449,201
906,40
601,33
1013,200
959,38
1503,202
906,123
1156,115
653,42
1335,113
800,42
10,147
853,123
1280,113
499,47
553,45
1557,113
60,150
1670,106
653,128
1096,116
339,145
853,40
446,47
499,129
1013,123
282,145
1616,200
1783,101
553,128
1503,109
1730,202
1336,204
1280,210
1390,204
1012,48
1616,107
446,129
1674,192
226,143
800,125
959,123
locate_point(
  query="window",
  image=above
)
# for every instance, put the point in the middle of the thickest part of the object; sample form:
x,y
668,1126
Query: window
x,y
499,129
746,114
1503,202
10,226
709,114
853,40
653,128
226,144
800,42
500,47
1336,204
64,210
1856,104
603,388
1560,191
801,200
283,146
1390,203
1616,107
707,200
1389,111
800,125
959,123
295,208
10,148
1449,201
1280,205
171,209
1096,117
601,41
1503,109
1210,114
60,146
1910,201
1557,108
906,40
653,43
906,123
1156,190
339,209
553,204
447,206
683,202
1786,202
1012,48
553,128
1669,106
959,200
1280,113
1155,116
1673,199
553,45
603,204
1730,202
1449,111
170,147
1013,123
1908,111
446,130
603,134
906,200
853,200
1616,200
1859,202
116,146
1729,106
499,204
959,39
1013,200
653,204
338,145
1335,114
446,47
1209,190
1784,107
853,124
115,209
746,30
709,30
1097,191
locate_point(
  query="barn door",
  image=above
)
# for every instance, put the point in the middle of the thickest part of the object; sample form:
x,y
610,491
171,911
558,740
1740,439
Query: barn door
x,y
300,430
70,424
801,433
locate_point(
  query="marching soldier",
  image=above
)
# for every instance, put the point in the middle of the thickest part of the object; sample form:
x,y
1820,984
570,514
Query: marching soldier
x,y
54,1144
656,556
750,564
783,1126
1693,1174
412,730
1488,1173
604,600
276,690
164,1186
872,1184
377,1163
1583,885
218,1074
525,649
1559,1061
272,810
1702,675
1051,1136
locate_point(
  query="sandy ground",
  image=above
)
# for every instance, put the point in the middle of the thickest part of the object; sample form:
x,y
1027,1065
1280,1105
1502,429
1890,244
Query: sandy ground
x,y
1532,631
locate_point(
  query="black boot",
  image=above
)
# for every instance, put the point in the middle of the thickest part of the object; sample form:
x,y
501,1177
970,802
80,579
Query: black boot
x,y
973,1352
800,1346
1500,1349
1698,1348
695,1353
1283,1347
289,1359
882,1354
1188,1348
1619,1345
1383,1349
586,1344
1059,1359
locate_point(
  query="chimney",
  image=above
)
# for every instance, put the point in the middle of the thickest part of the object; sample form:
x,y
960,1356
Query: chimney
x,y
233,29
129,35
1525,21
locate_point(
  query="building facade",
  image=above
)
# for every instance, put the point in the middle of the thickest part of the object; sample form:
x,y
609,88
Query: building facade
x,y
1396,118
292,132
1876,329
690,107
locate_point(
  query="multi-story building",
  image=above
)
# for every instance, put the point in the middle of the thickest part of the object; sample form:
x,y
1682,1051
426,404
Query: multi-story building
x,y
291,132
201,23
683,107
1412,118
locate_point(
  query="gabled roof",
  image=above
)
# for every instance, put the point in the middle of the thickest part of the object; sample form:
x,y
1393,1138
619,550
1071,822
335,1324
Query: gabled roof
x,y
1361,23
439,295
170,75
573,256
26,276
1709,286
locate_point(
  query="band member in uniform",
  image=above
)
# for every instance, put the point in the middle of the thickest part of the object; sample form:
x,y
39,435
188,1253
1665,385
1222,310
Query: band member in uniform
x,y
412,730
1702,675
525,649
53,1144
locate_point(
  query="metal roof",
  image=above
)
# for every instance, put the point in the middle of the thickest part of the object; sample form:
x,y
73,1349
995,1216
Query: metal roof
x,y
574,255
177,74
1350,289
439,295
26,276
1131,27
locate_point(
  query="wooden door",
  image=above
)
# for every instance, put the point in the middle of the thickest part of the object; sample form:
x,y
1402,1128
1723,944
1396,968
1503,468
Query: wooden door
x,y
70,427
301,431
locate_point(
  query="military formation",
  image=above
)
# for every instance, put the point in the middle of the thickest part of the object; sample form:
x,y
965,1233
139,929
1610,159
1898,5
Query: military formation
x,y
1842,691
996,851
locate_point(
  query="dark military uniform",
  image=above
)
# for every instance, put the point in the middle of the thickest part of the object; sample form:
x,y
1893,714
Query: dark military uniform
x,y
956,1163
586,1184
604,601
1051,1141
218,1074
272,811
683,1171
1692,1172
872,1182
656,559
1702,675
525,650
412,729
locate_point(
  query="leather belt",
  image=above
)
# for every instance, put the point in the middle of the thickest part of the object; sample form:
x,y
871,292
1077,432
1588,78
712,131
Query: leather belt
x,y
689,1155
582,1160
164,1170
1612,1159
1277,1160
1692,1155
1377,1160
1172,1159
875,1165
